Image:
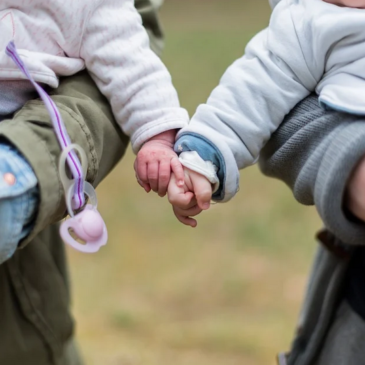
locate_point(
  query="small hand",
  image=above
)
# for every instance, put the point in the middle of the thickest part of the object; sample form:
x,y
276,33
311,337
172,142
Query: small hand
x,y
191,199
155,162
356,191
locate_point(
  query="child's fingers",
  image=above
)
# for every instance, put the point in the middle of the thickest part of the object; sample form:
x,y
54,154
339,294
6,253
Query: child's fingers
x,y
146,187
178,197
178,170
173,189
186,220
175,193
202,189
190,212
164,177
181,199
152,175
141,175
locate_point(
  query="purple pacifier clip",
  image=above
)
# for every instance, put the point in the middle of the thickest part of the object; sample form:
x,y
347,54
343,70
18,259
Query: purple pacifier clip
x,y
58,125
88,225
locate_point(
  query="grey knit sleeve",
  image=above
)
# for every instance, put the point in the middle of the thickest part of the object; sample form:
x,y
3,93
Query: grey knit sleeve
x,y
314,152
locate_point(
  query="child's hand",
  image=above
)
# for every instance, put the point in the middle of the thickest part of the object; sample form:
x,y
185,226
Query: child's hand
x,y
190,199
155,161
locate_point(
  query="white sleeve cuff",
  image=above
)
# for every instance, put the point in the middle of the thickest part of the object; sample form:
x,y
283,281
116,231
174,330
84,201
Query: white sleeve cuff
x,y
193,161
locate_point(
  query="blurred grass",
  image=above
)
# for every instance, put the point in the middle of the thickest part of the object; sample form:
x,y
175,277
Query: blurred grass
x,y
227,292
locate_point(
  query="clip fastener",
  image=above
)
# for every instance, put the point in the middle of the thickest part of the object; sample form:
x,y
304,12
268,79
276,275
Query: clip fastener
x,y
86,226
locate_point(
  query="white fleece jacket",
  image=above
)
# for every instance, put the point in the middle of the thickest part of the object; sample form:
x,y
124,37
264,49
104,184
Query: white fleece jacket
x,y
309,45
61,37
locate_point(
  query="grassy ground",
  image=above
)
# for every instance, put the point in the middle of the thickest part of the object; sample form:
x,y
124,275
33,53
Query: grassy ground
x,y
227,292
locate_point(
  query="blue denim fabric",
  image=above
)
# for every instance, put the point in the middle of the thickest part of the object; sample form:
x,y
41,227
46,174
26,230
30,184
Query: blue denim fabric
x,y
208,152
18,202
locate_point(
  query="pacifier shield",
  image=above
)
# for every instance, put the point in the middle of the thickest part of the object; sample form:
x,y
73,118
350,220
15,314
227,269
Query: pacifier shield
x,y
89,228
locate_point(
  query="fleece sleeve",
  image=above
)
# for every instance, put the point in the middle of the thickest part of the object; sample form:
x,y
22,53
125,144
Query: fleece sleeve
x,y
117,54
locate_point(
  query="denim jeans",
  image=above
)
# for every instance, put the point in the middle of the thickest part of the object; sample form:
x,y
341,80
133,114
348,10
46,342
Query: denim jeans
x,y
18,199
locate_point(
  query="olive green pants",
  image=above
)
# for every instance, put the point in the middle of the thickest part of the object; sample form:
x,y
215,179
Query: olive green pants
x,y
35,322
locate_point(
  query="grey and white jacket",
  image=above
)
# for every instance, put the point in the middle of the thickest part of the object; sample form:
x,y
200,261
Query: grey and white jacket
x,y
309,46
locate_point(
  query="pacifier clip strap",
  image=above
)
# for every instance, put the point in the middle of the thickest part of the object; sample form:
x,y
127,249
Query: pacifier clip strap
x,y
59,127
87,225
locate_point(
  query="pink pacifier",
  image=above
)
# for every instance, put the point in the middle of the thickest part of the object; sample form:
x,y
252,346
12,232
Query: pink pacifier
x,y
85,231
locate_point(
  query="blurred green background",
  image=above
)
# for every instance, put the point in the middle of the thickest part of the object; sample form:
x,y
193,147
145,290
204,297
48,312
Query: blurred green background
x,y
227,292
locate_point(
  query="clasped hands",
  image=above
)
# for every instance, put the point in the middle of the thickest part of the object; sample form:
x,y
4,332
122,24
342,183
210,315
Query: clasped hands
x,y
158,168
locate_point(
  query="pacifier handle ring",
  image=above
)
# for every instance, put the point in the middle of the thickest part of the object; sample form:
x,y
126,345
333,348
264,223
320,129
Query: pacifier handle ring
x,y
66,182
89,192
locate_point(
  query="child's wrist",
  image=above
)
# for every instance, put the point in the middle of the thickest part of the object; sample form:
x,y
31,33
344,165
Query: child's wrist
x,y
167,137
191,160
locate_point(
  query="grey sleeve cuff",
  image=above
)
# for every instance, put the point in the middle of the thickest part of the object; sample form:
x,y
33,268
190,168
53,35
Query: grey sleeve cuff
x,y
314,152
339,160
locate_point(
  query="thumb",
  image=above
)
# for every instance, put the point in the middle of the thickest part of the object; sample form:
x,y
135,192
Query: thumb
x,y
178,195
202,189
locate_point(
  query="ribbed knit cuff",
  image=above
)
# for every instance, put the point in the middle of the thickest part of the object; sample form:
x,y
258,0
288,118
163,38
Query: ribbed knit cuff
x,y
342,155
